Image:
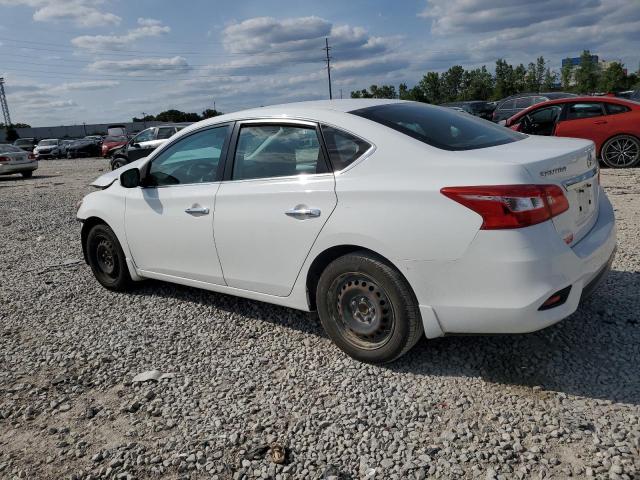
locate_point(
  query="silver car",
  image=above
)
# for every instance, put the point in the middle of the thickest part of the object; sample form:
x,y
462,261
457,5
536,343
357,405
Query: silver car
x,y
16,160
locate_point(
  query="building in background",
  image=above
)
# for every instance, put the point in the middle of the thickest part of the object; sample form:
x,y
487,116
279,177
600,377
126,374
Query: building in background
x,y
574,62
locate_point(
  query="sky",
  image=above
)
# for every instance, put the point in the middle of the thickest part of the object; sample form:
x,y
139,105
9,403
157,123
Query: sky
x,y
98,61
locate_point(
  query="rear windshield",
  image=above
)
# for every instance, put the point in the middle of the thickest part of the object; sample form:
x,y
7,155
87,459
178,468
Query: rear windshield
x,y
24,141
8,149
440,127
120,138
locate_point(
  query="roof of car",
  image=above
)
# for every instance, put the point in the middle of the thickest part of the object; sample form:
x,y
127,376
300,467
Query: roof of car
x,y
560,101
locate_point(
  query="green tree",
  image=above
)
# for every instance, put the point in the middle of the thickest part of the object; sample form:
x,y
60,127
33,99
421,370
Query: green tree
x,y
613,78
209,113
12,134
566,77
587,73
549,80
531,78
452,83
478,84
173,115
384,91
504,85
520,78
431,88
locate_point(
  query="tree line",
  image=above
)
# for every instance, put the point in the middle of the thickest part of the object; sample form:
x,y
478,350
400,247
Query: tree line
x,y
176,116
458,84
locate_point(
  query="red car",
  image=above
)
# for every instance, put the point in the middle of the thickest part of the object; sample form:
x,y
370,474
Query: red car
x,y
612,123
109,144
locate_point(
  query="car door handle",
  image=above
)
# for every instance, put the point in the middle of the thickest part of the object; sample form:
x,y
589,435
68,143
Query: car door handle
x,y
197,210
303,212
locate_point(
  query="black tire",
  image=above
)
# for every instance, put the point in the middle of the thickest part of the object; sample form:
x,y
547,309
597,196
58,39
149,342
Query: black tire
x,y
621,151
117,163
27,174
106,258
367,308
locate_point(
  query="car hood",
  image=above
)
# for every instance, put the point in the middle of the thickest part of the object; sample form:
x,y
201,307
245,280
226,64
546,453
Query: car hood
x,y
103,181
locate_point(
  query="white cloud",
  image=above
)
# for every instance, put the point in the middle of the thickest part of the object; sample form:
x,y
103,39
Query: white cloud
x,y
148,27
84,13
142,66
87,85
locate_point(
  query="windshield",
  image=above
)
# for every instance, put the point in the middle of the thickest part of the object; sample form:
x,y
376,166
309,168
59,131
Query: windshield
x,y
47,142
439,127
23,142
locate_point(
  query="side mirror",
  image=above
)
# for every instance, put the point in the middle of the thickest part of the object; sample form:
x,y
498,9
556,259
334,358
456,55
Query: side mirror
x,y
130,178
135,145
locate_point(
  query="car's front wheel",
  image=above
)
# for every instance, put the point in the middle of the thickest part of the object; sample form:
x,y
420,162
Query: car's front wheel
x,y
106,258
367,308
117,163
622,151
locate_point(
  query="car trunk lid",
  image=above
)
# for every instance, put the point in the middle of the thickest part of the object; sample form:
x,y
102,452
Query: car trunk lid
x,y
569,163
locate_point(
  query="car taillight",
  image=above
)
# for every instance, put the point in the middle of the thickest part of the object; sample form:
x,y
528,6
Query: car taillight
x,y
32,156
510,206
5,159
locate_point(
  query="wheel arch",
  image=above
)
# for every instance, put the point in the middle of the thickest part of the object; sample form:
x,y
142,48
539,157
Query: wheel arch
x,y
87,225
324,258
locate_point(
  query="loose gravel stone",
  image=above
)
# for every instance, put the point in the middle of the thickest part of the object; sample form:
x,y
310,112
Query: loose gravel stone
x,y
240,375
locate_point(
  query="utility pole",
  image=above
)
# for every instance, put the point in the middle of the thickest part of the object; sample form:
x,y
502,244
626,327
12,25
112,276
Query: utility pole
x,y
3,103
326,49
340,94
144,119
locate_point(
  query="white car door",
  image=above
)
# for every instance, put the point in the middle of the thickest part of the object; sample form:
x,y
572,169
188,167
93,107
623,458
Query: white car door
x,y
277,195
169,221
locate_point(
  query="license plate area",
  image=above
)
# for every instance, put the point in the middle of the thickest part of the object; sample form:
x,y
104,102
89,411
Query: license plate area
x,y
585,200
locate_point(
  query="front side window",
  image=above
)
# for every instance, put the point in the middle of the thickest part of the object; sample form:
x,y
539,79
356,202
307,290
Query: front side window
x,y
343,148
577,111
192,159
144,136
165,132
439,127
266,151
545,115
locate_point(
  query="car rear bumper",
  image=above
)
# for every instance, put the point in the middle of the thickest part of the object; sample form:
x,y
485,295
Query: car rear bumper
x,y
504,278
8,168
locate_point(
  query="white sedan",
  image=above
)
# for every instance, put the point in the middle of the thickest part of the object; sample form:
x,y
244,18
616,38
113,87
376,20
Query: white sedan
x,y
391,219
16,160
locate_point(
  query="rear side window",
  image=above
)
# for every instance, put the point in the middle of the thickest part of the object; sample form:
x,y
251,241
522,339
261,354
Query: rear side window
x,y
440,127
613,108
165,132
508,105
524,102
343,148
584,110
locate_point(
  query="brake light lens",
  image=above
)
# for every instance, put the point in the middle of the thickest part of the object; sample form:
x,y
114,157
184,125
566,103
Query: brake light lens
x,y
32,156
510,206
4,159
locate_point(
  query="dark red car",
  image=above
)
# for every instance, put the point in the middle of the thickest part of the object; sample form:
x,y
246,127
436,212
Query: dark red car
x,y
612,123
109,144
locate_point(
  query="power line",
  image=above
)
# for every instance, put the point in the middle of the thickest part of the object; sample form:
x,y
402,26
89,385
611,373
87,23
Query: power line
x,y
326,49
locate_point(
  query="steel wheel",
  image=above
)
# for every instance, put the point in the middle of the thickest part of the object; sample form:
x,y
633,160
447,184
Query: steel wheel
x,y
106,258
365,315
621,152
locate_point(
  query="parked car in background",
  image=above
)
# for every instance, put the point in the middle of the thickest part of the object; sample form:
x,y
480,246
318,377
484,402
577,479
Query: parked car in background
x,y
144,143
112,143
479,108
96,138
15,160
48,148
63,146
390,218
85,147
26,144
508,107
612,123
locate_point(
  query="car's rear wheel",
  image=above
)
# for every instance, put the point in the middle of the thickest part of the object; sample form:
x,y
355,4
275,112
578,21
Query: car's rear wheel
x,y
106,258
117,163
622,151
367,308
27,174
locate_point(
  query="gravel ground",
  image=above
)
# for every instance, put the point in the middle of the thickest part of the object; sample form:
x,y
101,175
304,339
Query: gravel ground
x,y
241,375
